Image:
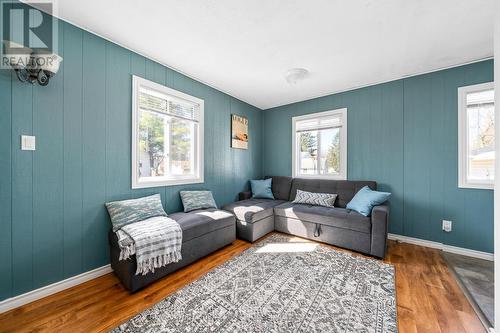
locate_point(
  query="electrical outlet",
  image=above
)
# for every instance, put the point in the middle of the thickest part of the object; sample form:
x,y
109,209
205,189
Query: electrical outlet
x,y
447,225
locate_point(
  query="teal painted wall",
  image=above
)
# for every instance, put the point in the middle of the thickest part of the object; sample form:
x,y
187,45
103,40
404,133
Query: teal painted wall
x,y
403,134
53,223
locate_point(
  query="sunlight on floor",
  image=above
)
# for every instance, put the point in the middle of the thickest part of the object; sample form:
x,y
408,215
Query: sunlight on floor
x,y
287,247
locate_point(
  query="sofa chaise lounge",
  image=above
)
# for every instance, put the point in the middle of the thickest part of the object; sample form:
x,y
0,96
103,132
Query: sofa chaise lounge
x,y
203,232
336,226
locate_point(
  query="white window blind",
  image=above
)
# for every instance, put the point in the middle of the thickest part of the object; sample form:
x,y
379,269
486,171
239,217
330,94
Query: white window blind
x,y
167,137
151,100
319,145
318,123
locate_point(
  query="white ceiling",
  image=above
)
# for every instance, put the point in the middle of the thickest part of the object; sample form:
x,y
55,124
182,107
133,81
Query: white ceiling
x,y
244,48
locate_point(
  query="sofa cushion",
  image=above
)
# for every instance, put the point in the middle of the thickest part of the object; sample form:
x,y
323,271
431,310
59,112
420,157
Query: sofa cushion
x,y
345,189
261,188
281,186
252,210
316,199
196,223
134,210
335,217
366,199
193,200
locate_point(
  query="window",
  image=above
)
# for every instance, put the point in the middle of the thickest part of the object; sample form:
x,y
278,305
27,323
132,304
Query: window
x,y
167,136
319,145
476,136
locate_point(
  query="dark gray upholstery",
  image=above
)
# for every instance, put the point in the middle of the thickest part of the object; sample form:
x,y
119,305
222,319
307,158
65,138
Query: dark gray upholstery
x,y
254,217
345,189
203,232
252,210
202,221
335,217
349,239
337,226
253,231
244,195
379,221
281,186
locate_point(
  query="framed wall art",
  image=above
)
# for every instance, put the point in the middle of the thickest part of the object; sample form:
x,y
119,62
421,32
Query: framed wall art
x,y
239,132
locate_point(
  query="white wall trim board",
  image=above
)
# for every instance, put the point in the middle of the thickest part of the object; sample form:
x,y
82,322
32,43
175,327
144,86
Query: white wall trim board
x,y
17,301
443,247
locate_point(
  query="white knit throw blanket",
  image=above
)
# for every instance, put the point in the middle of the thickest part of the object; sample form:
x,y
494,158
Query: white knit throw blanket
x,y
156,242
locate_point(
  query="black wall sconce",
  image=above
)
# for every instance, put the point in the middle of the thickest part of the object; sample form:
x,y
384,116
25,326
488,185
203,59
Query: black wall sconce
x,y
30,66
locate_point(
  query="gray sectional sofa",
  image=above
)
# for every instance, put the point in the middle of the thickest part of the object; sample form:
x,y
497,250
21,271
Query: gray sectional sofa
x,y
207,230
203,232
336,226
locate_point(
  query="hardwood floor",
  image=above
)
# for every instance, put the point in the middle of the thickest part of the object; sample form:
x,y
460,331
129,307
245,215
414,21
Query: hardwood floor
x,y
428,297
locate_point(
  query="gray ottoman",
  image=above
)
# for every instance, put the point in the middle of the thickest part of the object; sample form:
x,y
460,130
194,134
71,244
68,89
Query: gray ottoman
x,y
254,217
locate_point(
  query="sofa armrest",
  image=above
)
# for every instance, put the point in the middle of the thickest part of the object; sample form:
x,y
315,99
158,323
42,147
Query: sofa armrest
x,y
244,195
380,222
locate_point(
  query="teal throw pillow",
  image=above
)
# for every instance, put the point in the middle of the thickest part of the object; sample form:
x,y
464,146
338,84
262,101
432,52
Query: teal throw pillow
x,y
262,189
365,199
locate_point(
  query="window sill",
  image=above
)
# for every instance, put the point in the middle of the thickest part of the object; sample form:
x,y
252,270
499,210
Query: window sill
x,y
339,177
163,183
477,186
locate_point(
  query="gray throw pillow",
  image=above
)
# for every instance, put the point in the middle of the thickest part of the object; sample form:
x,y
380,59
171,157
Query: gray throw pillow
x,y
317,199
192,200
134,210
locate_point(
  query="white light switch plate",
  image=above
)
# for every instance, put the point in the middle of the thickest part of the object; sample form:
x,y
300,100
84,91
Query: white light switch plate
x,y
28,142
447,225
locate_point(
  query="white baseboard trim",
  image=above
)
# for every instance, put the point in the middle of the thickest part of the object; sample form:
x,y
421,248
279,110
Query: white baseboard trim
x,y
17,301
443,247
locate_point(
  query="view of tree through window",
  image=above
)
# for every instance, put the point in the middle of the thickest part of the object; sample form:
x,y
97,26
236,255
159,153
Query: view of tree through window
x,y
320,152
320,144
166,136
481,136
181,146
151,144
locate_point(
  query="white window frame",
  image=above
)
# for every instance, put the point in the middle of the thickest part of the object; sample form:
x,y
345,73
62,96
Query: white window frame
x,y
463,136
138,82
343,143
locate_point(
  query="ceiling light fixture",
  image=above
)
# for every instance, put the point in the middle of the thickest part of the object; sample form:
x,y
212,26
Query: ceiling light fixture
x,y
296,74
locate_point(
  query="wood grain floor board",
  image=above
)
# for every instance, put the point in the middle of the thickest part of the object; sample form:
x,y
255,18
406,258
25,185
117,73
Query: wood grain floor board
x,y
428,297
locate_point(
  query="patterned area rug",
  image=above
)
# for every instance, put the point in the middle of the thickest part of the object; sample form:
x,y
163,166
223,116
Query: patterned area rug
x,y
281,284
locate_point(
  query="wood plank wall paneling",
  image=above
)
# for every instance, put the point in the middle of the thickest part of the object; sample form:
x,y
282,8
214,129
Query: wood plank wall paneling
x,y
5,183
22,189
72,150
403,134
94,152
53,223
47,180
